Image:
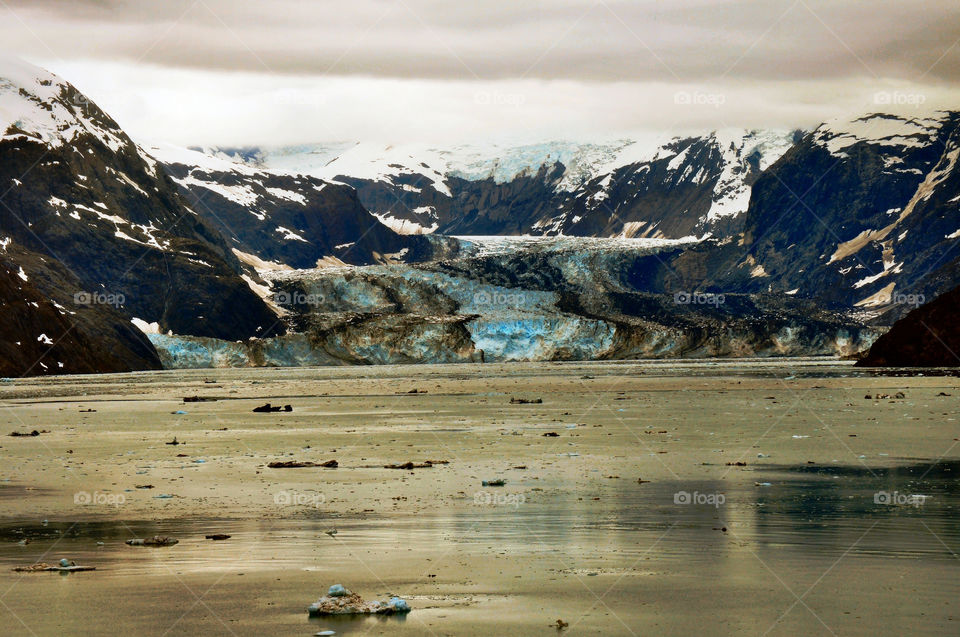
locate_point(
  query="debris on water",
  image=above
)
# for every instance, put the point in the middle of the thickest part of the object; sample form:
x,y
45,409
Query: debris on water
x,y
738,463
143,486
407,466
560,625
269,409
762,455
32,434
551,434
299,464
156,540
325,633
763,484
174,442
199,399
64,566
217,536
899,395
943,394
526,401
494,483
340,601
163,496
798,437
179,412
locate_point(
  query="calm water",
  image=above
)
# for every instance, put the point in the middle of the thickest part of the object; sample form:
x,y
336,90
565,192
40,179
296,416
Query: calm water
x,y
863,529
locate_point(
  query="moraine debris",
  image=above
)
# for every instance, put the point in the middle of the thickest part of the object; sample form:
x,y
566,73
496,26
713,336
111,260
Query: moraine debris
x,y
270,409
407,466
64,566
156,540
32,434
299,464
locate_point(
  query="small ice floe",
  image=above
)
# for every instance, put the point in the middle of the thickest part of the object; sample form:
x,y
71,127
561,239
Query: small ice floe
x,y
340,601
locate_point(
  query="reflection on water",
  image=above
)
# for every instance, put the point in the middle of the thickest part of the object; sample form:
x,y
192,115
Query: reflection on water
x,y
799,520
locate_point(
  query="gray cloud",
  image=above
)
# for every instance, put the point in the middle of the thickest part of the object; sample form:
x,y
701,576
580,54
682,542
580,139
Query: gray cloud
x,y
586,40
289,71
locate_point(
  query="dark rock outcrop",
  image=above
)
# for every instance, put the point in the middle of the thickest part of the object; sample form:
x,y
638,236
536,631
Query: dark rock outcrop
x,y
929,336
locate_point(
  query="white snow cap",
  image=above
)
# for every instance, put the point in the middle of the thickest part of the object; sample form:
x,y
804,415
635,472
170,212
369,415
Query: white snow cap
x,y
34,103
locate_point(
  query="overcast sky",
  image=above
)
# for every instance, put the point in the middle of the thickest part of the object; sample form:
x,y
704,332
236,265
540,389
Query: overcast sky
x,y
297,71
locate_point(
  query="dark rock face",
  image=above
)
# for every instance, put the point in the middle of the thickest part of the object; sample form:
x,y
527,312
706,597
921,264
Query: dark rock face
x,y
43,337
929,336
476,207
85,200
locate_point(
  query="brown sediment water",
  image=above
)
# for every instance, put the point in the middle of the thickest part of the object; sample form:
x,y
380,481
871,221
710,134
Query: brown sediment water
x,y
822,530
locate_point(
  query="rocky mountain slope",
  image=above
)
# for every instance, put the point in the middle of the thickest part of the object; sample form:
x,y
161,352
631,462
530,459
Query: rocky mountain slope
x,y
96,222
860,215
41,336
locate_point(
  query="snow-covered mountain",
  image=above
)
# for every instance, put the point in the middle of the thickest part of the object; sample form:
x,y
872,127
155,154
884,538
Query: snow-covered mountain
x,y
95,226
655,187
288,217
